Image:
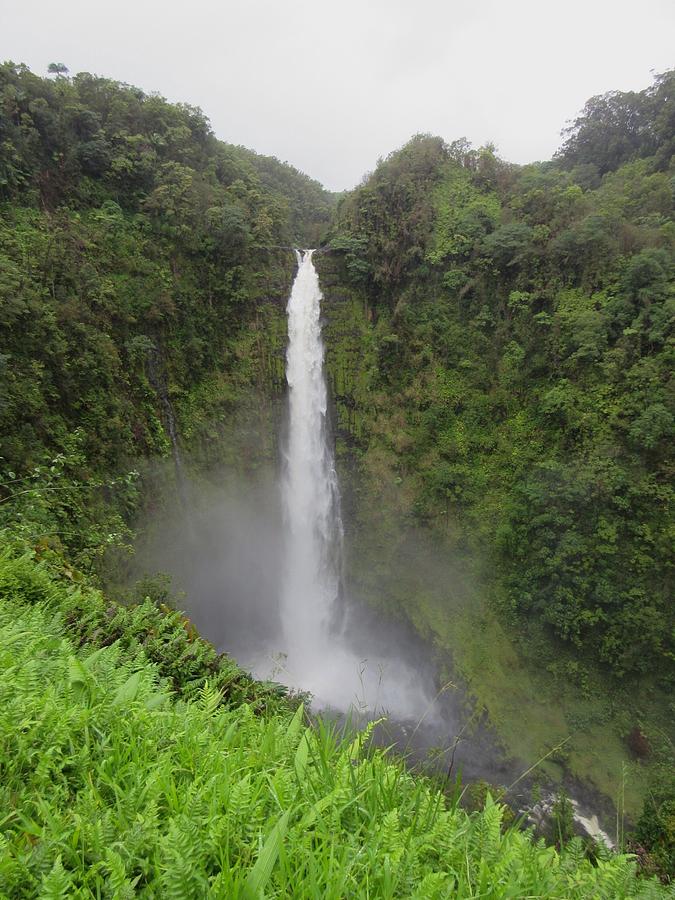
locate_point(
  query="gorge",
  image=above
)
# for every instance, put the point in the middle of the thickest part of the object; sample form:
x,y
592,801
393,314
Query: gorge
x,y
425,470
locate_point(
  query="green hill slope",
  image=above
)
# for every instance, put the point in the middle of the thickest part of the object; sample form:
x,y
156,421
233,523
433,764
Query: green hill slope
x,y
500,347
521,352
143,265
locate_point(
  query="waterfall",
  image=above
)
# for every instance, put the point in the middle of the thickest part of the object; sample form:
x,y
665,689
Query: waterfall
x,y
318,655
310,496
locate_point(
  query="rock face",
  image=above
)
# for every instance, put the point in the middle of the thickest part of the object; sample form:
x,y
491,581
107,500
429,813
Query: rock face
x,y
638,744
586,822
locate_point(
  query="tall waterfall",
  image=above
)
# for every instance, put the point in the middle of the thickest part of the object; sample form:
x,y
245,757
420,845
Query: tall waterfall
x,y
310,495
318,655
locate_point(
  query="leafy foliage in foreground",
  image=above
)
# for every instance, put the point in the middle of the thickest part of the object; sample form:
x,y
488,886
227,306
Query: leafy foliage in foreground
x,y
656,827
111,786
148,630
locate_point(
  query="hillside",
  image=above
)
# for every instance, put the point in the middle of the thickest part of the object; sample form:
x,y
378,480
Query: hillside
x,y
140,258
500,349
522,329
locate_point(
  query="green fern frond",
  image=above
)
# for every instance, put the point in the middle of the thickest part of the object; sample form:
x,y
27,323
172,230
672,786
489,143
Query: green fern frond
x,y
57,884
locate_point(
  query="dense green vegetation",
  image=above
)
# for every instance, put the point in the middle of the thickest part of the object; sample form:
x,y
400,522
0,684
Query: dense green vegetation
x,y
620,126
500,351
521,359
119,779
138,256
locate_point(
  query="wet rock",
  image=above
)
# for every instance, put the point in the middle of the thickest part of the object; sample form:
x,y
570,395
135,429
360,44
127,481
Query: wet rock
x,y
638,744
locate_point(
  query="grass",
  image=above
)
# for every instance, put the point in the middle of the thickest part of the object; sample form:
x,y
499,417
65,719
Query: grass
x,y
533,711
123,774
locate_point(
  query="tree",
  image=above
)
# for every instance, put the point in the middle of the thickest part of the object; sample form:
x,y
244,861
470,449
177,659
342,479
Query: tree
x,y
618,126
58,69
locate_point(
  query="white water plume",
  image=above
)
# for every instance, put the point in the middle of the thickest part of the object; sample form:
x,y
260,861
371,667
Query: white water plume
x,y
311,503
315,655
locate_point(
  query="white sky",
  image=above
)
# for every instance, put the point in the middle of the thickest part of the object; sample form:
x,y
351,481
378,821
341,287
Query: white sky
x,y
330,87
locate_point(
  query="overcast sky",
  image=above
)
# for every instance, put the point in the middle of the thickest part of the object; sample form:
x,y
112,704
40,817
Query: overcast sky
x,y
331,87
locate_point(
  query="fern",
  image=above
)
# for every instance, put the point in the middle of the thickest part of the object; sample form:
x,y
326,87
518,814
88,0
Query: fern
x,y
434,886
210,698
57,884
111,796
485,837
180,878
118,885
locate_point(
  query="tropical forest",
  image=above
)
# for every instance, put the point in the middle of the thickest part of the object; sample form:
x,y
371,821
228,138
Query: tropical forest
x,y
336,529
